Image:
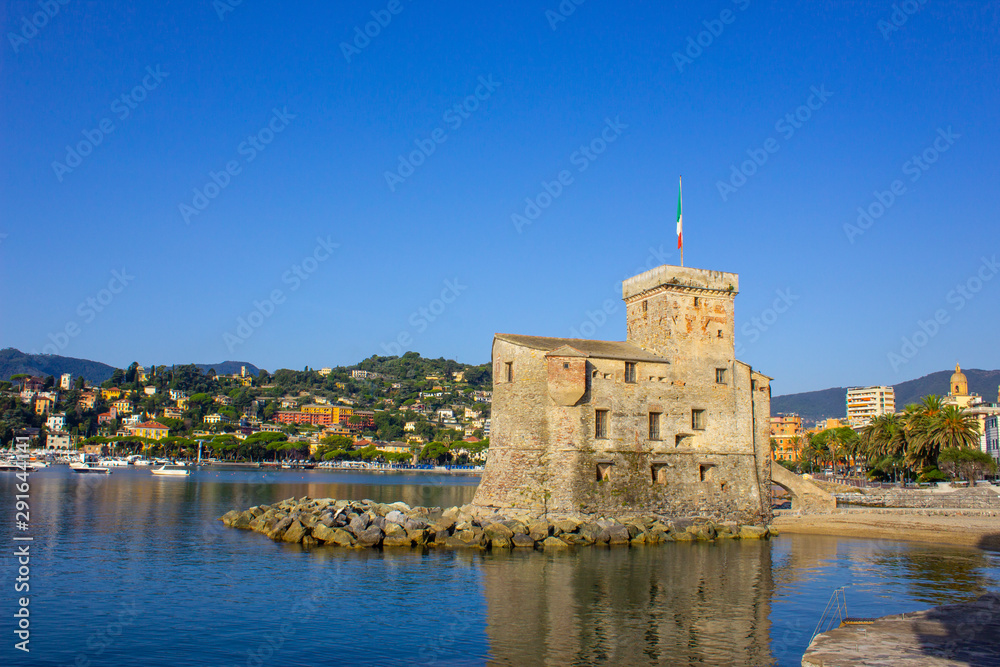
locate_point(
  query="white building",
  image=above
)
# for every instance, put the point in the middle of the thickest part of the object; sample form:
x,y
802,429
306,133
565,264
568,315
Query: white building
x,y
216,418
56,422
865,403
66,381
149,390
992,435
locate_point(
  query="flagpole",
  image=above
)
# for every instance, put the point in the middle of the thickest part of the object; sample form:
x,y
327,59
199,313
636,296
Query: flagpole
x,y
680,208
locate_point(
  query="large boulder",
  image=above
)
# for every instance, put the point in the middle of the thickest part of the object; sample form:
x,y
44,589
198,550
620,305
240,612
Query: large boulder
x,y
295,532
414,524
496,531
323,532
276,530
539,530
370,537
522,541
394,529
565,526
618,535
358,524
395,516
397,540
418,536
341,538
554,543
752,532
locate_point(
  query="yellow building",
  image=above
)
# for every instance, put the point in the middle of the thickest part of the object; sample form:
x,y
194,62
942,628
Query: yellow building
x,y
123,406
786,433
113,393
151,430
43,405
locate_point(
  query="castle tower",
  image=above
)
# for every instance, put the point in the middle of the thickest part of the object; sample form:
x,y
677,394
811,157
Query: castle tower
x,y
959,383
683,314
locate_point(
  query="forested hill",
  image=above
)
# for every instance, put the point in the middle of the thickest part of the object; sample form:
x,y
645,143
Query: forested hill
x,y
830,403
15,362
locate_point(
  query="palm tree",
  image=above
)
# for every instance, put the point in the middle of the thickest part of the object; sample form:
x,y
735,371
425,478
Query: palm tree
x,y
922,449
951,427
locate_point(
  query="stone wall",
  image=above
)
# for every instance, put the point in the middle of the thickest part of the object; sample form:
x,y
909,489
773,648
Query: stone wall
x,y
973,498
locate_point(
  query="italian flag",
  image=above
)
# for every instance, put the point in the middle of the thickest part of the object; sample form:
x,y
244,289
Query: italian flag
x,y
680,216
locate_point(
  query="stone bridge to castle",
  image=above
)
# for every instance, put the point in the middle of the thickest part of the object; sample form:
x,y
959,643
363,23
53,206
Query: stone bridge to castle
x,y
807,496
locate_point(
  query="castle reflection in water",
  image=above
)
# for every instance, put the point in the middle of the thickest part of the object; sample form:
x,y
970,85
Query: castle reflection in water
x,y
701,604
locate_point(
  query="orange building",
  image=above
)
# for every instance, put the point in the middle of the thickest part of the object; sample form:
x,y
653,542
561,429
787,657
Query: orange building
x,y
786,434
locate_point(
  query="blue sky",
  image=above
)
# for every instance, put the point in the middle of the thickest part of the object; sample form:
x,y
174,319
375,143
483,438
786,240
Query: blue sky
x,y
245,171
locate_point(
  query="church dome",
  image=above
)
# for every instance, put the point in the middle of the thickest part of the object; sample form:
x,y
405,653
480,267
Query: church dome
x,y
959,383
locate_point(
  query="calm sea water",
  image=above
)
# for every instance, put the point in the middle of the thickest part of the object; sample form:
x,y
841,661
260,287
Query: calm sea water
x,y
131,569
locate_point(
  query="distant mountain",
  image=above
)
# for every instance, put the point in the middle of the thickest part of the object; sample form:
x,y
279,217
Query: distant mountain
x,y
229,368
14,362
830,403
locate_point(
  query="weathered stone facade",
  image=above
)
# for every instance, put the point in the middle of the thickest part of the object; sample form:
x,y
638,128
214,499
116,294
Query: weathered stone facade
x,y
667,421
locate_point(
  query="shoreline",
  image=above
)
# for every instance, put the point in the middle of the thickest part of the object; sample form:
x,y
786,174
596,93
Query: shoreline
x,y
959,527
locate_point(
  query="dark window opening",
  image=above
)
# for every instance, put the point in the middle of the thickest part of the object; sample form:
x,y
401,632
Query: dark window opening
x,y
601,424
565,365
705,472
698,419
696,302
654,425
630,372
719,334
720,376
510,371
603,472
645,307
681,440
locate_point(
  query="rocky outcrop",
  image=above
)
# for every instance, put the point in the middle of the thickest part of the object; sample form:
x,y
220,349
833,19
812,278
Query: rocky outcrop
x,y
367,524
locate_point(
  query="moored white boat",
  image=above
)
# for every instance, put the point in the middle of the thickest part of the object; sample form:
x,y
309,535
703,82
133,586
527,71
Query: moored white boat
x,y
114,463
172,471
76,466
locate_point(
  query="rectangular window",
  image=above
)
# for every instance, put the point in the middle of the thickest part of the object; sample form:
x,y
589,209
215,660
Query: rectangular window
x,y
705,472
645,307
698,419
510,371
654,425
601,424
630,372
720,376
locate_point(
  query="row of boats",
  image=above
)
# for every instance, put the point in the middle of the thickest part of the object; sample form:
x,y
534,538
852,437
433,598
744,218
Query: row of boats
x,y
83,464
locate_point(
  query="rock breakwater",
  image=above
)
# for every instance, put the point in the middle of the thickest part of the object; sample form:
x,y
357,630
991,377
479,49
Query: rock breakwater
x,y
368,524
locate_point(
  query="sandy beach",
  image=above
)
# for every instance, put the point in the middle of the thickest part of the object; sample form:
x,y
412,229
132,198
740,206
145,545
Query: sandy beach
x,y
967,529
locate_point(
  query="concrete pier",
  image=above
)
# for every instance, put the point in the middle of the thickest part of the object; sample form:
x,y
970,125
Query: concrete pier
x,y
959,634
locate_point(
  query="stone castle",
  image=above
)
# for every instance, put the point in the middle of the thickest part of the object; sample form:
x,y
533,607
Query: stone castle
x,y
667,421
